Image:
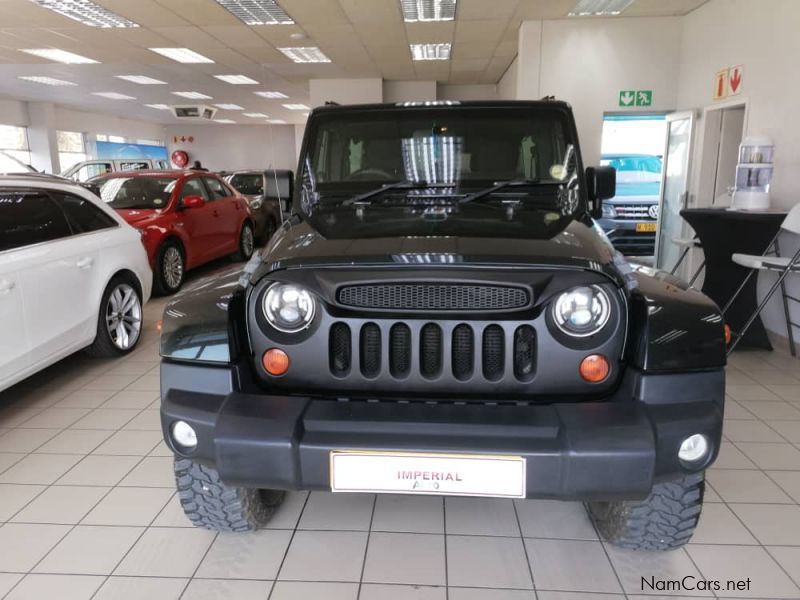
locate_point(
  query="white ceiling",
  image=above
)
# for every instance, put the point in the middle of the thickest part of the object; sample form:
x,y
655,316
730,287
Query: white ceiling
x,y
363,38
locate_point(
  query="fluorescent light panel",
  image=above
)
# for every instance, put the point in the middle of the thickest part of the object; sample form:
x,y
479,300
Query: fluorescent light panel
x,y
308,54
276,122
271,95
256,115
237,79
158,106
192,95
224,121
257,12
296,106
45,80
182,55
599,8
86,12
113,96
62,56
428,10
229,106
141,79
430,51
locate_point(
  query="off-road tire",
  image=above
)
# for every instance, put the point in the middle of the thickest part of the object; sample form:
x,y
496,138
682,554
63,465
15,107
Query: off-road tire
x,y
211,504
665,520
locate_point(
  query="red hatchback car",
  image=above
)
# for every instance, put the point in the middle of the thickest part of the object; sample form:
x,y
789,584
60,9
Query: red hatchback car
x,y
186,218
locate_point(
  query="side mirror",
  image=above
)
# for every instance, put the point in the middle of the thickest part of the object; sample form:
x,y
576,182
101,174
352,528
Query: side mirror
x,y
193,202
601,185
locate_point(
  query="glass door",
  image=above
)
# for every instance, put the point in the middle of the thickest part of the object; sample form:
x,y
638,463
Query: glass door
x,y
674,187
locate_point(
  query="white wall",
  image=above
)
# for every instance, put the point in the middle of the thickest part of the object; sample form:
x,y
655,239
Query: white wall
x,y
467,92
68,119
231,147
13,112
346,91
409,91
507,86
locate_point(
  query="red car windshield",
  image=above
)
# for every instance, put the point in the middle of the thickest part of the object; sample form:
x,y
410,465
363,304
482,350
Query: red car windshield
x,y
151,193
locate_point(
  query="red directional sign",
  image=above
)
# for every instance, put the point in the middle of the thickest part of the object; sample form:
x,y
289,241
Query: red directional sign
x,y
735,80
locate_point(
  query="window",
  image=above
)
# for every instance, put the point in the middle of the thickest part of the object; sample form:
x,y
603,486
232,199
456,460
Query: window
x,y
133,165
147,142
84,216
86,172
14,142
278,184
193,187
216,188
117,139
71,148
28,218
250,184
147,193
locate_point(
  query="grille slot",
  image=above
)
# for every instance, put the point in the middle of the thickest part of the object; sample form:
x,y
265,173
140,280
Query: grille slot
x,y
434,296
463,352
339,350
524,353
430,351
370,350
399,350
494,355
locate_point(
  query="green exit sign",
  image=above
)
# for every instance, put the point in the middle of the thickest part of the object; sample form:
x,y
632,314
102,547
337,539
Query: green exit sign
x,y
629,98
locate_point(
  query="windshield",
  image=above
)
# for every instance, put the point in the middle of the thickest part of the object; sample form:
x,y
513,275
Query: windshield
x,y
634,169
249,184
136,192
464,147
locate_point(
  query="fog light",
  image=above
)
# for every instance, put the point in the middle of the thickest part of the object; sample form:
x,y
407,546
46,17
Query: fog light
x,y
275,361
594,368
694,448
184,435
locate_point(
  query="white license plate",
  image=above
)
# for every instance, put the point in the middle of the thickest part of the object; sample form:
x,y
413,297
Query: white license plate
x,y
416,473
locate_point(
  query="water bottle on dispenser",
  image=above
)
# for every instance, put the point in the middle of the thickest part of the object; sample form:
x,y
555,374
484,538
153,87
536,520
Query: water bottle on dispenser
x,y
753,174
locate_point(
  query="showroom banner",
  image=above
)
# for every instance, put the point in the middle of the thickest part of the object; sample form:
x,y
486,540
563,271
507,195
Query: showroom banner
x,y
116,151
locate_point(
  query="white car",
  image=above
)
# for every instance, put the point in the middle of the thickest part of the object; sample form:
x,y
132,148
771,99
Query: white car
x,y
73,275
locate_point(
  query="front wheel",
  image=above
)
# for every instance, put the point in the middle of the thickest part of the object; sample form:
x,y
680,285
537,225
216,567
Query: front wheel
x,y
119,324
246,243
665,520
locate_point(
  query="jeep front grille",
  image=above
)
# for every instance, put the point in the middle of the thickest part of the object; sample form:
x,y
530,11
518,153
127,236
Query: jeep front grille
x,y
424,349
434,296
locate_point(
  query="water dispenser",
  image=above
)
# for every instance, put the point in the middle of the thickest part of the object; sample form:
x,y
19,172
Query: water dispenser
x,y
753,174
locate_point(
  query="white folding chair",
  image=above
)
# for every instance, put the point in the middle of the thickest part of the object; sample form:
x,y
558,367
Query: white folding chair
x,y
771,260
687,244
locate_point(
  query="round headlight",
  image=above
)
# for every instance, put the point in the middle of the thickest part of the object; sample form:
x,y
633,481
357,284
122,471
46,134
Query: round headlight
x,y
288,307
582,311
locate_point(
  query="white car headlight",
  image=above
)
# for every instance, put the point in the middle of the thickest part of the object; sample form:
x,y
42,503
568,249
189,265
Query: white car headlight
x,y
255,203
609,212
288,308
582,311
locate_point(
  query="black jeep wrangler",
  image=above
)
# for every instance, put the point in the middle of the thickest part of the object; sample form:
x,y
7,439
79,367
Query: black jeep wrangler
x,y
440,314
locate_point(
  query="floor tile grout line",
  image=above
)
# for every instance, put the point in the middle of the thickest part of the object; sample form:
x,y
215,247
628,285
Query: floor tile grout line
x,y
288,546
366,547
605,552
525,549
197,567
446,559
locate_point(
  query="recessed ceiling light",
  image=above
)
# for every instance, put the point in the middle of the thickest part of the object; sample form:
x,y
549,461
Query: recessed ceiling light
x,y
236,79
229,106
182,55
428,10
141,79
86,12
45,80
224,121
257,12
276,122
599,8
271,95
430,51
295,106
256,115
158,106
62,56
113,96
309,54
192,95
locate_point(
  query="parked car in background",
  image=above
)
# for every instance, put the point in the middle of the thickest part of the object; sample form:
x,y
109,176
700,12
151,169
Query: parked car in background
x,y
630,218
87,169
268,193
187,218
73,275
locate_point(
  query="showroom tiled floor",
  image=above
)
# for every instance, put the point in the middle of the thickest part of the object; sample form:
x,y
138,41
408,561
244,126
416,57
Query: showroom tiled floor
x,y
88,510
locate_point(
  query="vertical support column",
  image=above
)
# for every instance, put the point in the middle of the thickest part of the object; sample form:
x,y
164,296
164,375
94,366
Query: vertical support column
x,y
42,137
529,61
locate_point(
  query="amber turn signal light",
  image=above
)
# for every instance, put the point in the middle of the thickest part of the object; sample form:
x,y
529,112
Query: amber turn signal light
x,y
275,361
159,325
594,368
728,335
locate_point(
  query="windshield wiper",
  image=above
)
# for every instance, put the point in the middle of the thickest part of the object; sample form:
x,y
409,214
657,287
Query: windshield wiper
x,y
499,185
397,185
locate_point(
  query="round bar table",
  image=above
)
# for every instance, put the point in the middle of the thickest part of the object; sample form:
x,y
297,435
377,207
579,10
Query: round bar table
x,y
722,233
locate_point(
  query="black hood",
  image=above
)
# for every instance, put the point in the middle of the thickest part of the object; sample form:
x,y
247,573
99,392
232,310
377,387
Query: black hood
x,y
471,234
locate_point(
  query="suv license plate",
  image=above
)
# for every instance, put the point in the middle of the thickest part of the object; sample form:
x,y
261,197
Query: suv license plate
x,y
418,473
646,227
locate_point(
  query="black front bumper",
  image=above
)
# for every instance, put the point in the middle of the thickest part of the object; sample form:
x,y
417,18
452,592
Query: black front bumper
x,y
591,450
